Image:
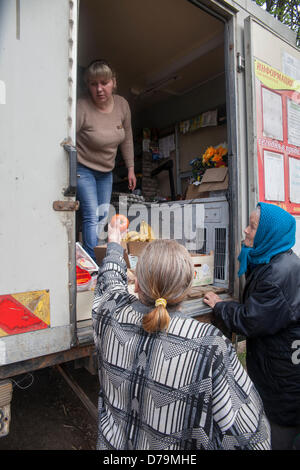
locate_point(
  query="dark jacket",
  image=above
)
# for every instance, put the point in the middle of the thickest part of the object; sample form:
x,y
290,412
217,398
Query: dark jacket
x,y
269,317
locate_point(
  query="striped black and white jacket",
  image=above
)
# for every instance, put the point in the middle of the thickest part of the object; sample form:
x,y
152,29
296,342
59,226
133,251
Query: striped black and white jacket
x,y
177,390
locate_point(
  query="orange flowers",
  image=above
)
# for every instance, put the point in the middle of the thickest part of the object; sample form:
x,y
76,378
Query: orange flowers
x,y
215,157
210,152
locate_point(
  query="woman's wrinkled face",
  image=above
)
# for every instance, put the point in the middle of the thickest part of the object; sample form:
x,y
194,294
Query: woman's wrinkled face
x,y
101,89
251,230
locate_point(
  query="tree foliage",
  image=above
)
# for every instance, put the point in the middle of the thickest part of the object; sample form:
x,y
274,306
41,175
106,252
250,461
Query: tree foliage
x,y
286,11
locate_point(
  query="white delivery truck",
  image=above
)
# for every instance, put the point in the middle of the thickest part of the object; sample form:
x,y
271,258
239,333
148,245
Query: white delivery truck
x,y
176,60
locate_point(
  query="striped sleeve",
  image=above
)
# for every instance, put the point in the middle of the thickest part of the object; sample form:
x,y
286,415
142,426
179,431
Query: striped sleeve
x,y
112,283
113,271
111,291
237,408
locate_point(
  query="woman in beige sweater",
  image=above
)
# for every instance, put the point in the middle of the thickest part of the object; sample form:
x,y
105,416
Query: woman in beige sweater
x,y
103,124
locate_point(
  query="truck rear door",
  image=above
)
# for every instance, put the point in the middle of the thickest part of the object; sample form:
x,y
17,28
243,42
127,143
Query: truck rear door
x,y
272,65
37,102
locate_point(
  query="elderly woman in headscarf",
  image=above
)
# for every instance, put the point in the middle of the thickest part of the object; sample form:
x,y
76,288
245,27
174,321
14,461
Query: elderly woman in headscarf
x,y
269,317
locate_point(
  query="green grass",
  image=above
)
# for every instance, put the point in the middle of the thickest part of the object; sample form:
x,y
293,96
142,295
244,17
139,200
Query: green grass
x,y
242,358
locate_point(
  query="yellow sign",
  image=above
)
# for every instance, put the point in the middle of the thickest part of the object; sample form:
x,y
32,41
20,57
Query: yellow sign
x,y
274,79
38,302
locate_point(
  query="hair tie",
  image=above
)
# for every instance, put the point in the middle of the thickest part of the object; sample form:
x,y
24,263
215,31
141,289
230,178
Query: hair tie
x,y
161,301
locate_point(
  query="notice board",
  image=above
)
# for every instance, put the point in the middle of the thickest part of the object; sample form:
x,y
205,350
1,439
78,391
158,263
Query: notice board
x,y
278,137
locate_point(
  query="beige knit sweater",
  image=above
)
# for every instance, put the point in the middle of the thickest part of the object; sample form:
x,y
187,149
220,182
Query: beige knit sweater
x,y
99,134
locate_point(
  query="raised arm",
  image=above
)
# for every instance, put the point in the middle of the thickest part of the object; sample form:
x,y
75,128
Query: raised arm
x,y
112,274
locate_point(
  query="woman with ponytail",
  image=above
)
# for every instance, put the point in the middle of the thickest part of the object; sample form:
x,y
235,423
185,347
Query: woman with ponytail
x,y
167,381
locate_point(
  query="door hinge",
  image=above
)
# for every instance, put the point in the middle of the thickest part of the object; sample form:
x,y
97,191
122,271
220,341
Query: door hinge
x,y
240,62
66,205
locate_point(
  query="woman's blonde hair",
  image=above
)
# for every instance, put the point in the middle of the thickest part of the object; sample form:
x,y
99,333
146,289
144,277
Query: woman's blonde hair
x,y
164,271
99,68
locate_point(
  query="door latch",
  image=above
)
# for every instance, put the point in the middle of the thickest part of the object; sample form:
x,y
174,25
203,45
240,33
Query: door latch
x,y
72,153
240,62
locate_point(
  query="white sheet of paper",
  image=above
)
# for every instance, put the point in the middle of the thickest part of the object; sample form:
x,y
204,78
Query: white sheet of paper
x,y
166,145
290,66
294,170
210,118
274,176
294,123
272,114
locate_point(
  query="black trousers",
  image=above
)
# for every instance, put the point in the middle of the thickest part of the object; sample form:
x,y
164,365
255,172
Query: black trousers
x,y
285,438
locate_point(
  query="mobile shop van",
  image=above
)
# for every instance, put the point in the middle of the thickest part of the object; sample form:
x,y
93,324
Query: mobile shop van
x,y
201,72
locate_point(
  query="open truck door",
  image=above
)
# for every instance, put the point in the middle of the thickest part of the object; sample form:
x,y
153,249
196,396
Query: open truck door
x,y
272,67
37,180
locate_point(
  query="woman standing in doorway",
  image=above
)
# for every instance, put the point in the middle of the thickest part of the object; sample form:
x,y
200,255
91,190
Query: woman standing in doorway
x,y
103,124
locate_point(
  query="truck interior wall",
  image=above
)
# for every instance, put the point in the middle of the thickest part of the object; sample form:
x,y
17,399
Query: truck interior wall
x,y
166,114
190,146
152,41
206,96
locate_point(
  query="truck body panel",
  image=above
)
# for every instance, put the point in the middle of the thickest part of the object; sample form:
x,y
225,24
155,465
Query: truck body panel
x,y
272,67
34,239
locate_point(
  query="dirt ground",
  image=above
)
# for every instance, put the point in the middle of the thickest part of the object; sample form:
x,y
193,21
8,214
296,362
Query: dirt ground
x,y
48,415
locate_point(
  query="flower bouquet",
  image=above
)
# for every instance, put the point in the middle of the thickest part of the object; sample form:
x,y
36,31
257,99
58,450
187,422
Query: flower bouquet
x,y
214,157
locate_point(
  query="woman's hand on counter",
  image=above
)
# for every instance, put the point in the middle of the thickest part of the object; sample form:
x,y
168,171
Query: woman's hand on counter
x,y
211,299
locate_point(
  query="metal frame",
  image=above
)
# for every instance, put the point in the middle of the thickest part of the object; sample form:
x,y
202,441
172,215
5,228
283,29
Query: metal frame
x,y
226,16
69,146
231,108
22,367
251,117
253,181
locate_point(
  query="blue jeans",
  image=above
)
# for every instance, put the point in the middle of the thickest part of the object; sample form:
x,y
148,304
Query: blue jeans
x,y
94,193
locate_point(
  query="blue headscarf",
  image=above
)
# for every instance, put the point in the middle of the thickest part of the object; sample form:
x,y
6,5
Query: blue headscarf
x,y
275,234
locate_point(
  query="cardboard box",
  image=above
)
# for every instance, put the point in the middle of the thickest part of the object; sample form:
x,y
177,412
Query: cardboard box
x,y
134,250
214,179
100,253
194,193
203,269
